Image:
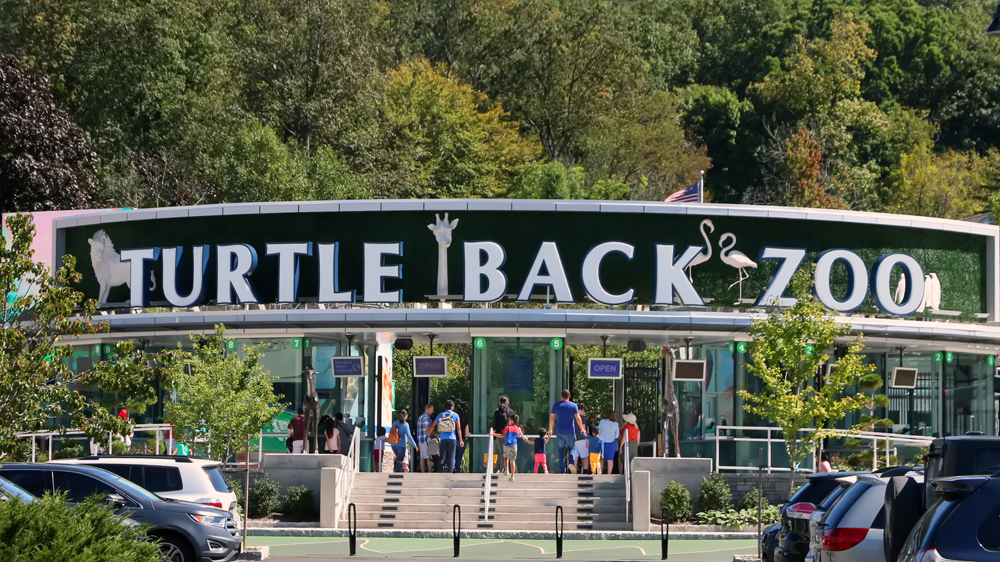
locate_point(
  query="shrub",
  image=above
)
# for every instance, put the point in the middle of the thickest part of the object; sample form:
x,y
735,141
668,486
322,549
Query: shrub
x,y
118,447
265,497
750,500
236,485
68,450
715,494
52,530
737,519
299,503
677,499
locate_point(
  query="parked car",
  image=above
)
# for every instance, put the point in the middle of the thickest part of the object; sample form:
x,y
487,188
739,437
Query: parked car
x,y
12,492
852,529
963,455
962,524
186,531
793,538
769,541
817,517
173,477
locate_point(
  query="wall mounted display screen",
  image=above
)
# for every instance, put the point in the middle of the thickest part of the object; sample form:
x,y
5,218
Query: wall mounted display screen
x,y
904,377
689,370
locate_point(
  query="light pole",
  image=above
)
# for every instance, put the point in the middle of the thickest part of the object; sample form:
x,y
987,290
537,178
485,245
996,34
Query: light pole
x,y
994,27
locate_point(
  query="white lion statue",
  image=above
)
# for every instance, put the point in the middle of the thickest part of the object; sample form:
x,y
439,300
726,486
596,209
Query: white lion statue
x,y
109,268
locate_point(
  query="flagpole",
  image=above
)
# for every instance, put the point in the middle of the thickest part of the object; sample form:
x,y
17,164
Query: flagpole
x,y
701,186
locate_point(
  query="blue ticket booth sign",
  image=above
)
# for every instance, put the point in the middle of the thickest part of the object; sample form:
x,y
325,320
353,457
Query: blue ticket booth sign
x,y
347,367
430,366
604,368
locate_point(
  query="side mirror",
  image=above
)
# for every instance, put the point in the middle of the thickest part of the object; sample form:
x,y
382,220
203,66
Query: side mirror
x,y
115,500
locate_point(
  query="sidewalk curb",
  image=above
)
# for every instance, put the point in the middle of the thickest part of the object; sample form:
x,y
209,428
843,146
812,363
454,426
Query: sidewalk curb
x,y
485,534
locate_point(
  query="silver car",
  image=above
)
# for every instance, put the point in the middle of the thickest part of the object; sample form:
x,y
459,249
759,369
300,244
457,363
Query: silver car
x,y
852,529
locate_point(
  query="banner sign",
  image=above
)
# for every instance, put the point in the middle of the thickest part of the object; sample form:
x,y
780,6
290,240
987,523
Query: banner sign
x,y
604,368
641,257
436,366
347,367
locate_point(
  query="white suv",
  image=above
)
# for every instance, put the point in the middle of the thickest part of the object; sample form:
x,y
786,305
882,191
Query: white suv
x,y
175,478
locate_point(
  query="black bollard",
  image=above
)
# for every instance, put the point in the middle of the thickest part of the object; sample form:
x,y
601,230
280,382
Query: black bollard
x,y
559,531
664,531
456,529
352,527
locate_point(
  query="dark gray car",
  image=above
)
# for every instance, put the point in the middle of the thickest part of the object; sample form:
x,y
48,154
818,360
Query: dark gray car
x,y
188,532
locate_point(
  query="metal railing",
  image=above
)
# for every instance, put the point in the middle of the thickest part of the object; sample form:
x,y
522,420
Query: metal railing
x,y
487,487
889,438
156,428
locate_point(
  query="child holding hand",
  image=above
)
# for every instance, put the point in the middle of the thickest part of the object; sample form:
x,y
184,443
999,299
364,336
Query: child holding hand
x,y
540,458
510,435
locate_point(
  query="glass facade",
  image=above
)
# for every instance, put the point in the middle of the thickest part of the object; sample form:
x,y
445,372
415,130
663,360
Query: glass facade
x,y
953,395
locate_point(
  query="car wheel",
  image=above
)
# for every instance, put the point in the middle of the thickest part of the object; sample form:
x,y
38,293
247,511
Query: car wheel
x,y
175,549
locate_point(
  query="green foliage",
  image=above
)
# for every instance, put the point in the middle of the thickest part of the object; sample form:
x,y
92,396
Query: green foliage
x,y
118,447
453,141
68,450
265,497
298,503
715,494
677,499
738,519
778,353
749,501
52,530
875,105
38,384
227,396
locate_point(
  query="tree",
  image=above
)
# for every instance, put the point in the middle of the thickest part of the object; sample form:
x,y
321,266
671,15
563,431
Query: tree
x,y
226,397
46,162
42,312
786,368
451,139
936,185
869,385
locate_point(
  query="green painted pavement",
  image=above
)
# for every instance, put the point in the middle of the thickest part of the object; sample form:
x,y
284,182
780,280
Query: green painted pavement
x,y
301,548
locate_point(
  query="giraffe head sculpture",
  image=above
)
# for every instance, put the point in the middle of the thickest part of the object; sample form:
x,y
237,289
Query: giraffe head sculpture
x,y
442,229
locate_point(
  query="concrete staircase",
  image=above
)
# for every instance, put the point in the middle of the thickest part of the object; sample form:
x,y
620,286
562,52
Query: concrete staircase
x,y
415,501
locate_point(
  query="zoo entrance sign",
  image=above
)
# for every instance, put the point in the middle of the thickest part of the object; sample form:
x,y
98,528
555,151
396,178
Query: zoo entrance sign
x,y
485,256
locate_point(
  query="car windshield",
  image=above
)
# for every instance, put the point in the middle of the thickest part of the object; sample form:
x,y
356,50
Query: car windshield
x,y
8,488
844,503
130,487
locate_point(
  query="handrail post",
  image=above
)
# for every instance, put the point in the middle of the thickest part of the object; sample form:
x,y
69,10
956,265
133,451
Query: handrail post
x,y
717,449
489,478
628,482
456,531
559,531
769,457
352,527
664,531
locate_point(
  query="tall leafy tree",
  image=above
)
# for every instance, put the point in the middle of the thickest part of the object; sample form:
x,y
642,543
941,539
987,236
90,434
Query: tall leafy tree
x,y
46,162
42,313
780,358
225,398
452,140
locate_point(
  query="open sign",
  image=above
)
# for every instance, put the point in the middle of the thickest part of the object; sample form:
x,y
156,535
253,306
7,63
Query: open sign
x,y
604,368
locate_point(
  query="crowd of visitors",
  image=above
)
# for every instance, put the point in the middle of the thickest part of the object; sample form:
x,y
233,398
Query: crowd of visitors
x,y
583,444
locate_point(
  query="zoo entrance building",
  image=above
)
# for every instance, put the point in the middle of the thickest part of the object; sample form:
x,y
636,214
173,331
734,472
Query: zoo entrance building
x,y
521,280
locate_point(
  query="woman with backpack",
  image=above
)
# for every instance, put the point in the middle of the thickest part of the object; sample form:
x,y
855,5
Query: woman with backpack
x,y
398,438
501,417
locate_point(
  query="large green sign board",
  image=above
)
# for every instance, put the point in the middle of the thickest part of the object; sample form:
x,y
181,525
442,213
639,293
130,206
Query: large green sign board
x,y
475,256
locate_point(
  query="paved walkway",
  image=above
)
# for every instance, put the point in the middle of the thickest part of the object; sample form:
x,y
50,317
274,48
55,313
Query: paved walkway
x,y
303,549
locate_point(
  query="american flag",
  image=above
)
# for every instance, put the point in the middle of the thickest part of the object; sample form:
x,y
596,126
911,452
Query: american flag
x,y
687,195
